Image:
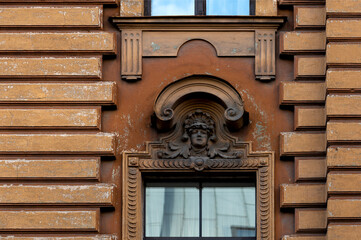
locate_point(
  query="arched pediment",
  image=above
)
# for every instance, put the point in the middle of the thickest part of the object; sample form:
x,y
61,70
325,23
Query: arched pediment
x,y
206,87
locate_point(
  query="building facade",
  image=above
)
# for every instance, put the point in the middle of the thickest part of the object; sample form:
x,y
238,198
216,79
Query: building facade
x,y
110,118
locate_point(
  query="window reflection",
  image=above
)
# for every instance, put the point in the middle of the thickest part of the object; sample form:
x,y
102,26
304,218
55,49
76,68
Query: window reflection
x,y
228,212
172,212
227,7
173,209
172,7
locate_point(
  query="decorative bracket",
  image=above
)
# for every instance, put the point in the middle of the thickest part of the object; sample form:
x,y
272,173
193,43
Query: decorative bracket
x,y
265,67
131,55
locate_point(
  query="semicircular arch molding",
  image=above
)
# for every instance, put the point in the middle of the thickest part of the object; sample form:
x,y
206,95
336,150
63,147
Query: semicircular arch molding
x,y
210,88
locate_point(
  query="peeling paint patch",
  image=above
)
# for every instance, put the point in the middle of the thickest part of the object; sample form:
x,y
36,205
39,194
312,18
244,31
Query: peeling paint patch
x,y
155,47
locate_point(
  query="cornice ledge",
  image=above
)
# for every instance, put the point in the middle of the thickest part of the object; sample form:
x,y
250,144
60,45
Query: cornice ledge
x,y
180,22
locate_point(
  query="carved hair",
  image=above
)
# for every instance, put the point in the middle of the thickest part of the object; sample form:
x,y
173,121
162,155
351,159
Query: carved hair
x,y
199,120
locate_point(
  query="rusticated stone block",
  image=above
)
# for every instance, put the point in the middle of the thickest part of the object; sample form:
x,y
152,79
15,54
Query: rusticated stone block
x,y
296,195
100,143
301,2
343,7
97,93
344,80
100,194
98,42
344,183
56,168
309,117
314,66
343,29
310,168
293,144
75,67
310,220
302,92
113,2
266,8
344,208
303,237
54,16
50,220
344,231
89,118
339,131
302,42
130,8
309,16
343,157
67,237
343,54
343,105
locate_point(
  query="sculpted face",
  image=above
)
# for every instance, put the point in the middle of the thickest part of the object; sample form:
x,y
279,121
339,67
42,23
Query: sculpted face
x,y
199,138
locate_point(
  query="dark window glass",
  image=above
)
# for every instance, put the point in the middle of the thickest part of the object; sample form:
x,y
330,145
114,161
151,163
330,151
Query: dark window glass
x,y
200,209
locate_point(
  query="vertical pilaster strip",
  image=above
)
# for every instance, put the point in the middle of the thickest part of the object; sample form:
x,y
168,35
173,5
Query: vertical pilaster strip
x,y
343,113
307,93
265,67
131,55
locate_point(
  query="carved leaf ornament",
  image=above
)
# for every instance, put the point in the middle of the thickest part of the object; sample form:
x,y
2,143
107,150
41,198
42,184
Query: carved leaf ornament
x,y
199,140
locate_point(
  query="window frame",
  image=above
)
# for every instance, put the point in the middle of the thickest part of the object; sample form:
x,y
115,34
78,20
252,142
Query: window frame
x,y
210,177
200,8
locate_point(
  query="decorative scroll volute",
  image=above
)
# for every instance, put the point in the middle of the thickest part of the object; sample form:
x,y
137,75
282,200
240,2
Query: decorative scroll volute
x,y
214,88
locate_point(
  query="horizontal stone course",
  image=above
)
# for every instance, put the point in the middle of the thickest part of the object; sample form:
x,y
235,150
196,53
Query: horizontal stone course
x,y
344,209
310,168
296,195
343,157
302,42
343,80
309,16
102,93
25,194
343,131
337,29
50,168
344,183
94,42
344,231
310,67
343,8
304,237
310,220
49,220
63,67
60,118
51,16
343,105
100,143
309,117
302,92
298,144
64,237
343,54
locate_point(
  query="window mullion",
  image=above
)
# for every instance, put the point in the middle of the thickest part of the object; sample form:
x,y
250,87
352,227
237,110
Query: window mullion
x,y
200,7
200,209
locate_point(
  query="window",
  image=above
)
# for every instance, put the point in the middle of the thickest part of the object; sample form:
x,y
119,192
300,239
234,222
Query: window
x,y
204,209
199,7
